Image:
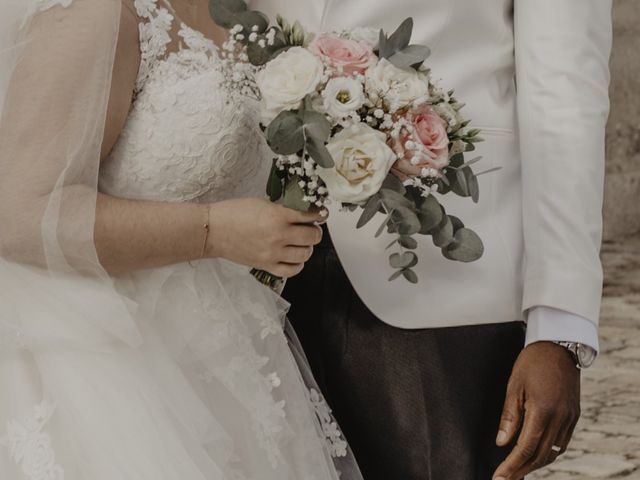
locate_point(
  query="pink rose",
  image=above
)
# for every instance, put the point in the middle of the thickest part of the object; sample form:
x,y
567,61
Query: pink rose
x,y
426,146
345,56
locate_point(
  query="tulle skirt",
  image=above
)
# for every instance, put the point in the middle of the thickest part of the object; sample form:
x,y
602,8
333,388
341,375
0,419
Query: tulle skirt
x,y
173,373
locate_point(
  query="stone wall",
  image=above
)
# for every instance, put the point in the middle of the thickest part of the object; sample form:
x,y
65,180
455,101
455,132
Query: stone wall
x,y
622,188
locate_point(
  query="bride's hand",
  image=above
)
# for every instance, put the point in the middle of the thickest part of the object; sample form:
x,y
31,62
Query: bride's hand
x,y
263,235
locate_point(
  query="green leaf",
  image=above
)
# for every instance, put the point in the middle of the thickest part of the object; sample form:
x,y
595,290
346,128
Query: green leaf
x,y
392,243
293,196
430,214
408,242
274,185
410,275
316,124
224,12
391,182
474,188
393,199
443,233
410,57
319,152
249,19
403,260
384,224
406,220
395,275
401,38
285,134
456,222
370,209
461,186
384,50
466,246
457,160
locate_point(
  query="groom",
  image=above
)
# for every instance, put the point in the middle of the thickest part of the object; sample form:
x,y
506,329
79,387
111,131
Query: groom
x,y
472,373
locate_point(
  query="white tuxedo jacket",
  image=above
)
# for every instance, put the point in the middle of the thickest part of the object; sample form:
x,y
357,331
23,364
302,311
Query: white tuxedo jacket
x,y
534,76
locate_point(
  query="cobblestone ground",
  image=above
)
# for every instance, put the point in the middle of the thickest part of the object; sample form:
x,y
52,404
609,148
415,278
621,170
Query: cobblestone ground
x,y
606,444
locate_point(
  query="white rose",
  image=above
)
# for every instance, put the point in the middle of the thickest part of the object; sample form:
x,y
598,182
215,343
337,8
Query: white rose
x,y
368,36
287,79
342,97
398,88
362,161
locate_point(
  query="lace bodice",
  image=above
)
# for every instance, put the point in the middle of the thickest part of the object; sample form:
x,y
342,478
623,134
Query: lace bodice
x,y
188,137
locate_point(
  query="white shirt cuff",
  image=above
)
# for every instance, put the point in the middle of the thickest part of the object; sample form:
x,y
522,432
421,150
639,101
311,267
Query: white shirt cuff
x,y
553,325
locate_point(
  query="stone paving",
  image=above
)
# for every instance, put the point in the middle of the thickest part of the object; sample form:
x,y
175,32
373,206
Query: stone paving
x,y
606,444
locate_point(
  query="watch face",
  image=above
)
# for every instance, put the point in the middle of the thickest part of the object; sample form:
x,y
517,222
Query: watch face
x,y
586,356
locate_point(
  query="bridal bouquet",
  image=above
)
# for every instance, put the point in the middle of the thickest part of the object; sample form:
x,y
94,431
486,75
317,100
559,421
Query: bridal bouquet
x,y
355,117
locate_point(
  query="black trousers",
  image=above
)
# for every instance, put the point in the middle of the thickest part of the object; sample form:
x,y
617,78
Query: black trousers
x,y
413,404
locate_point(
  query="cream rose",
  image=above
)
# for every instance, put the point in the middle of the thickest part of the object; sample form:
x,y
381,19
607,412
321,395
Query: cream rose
x,y
362,162
287,79
398,88
342,97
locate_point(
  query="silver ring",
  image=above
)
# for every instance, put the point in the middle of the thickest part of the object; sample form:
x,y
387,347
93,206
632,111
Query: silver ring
x,y
556,448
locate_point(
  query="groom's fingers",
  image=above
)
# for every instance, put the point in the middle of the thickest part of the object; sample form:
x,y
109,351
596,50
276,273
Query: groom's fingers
x,y
286,270
525,452
512,416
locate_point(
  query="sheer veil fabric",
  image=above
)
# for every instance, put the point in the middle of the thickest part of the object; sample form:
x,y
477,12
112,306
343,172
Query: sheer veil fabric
x,y
171,373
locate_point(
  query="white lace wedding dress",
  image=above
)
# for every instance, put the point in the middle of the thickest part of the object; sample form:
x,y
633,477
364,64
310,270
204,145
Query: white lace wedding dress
x,y
208,388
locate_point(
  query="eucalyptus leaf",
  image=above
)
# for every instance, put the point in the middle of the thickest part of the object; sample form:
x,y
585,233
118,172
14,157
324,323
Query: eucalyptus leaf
x,y
225,12
474,188
407,220
457,160
395,275
258,55
274,185
410,57
383,224
461,187
408,242
456,222
403,260
316,124
391,182
401,38
410,275
466,246
370,210
249,19
392,243
384,50
443,233
393,199
430,214
317,149
285,134
293,195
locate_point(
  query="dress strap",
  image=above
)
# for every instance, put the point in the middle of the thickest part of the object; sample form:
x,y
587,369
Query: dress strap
x,y
154,28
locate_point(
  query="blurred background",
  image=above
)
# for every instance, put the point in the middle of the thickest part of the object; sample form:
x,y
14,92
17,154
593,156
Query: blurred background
x,y
607,441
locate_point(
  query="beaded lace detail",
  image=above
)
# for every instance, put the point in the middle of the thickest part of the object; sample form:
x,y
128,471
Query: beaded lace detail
x,y
188,137
30,446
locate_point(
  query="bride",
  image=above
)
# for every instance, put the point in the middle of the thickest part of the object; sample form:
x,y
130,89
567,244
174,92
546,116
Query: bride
x,y
134,343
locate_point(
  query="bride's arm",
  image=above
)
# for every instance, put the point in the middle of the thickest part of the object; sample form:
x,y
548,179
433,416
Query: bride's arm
x,y
50,213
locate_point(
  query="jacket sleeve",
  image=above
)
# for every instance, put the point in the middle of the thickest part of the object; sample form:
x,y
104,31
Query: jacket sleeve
x,y
562,50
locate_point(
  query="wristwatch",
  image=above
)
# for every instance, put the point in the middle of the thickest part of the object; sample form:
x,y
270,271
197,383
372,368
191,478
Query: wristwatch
x,y
583,355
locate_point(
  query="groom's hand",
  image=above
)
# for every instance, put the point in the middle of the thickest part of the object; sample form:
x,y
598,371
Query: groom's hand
x,y
542,407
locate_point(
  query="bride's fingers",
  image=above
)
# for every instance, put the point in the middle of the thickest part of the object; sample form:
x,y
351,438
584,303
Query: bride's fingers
x,y
296,255
303,235
311,216
286,270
